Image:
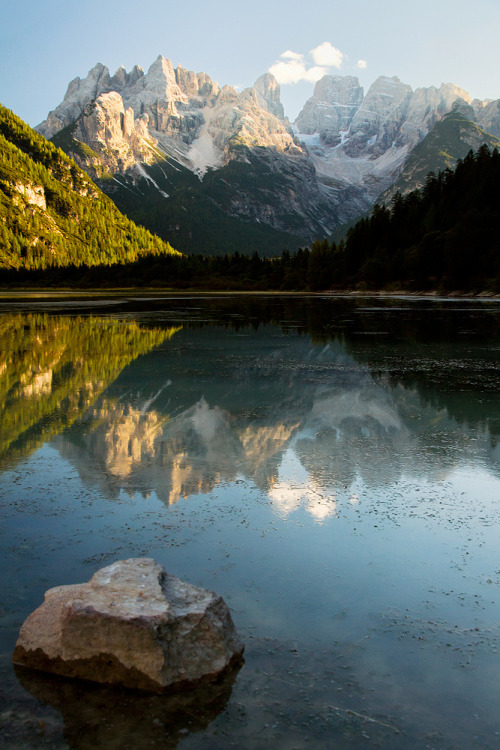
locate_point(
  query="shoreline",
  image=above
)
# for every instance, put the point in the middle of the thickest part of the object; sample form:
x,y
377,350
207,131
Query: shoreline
x,y
68,292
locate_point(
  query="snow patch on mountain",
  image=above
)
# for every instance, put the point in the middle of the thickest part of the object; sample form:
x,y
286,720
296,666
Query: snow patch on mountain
x,y
203,153
140,169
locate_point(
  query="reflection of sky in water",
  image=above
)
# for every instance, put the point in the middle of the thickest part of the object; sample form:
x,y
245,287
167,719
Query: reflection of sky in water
x,y
345,504
295,487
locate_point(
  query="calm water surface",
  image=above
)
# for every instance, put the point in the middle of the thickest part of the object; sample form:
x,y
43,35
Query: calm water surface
x,y
330,466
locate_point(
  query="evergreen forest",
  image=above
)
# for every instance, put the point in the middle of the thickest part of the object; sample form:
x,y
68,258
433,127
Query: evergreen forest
x,y
53,215
445,236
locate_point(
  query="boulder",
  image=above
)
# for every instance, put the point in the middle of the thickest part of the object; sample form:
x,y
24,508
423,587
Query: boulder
x,y
133,625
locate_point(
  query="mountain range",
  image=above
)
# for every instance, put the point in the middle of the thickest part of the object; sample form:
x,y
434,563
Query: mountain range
x,y
214,170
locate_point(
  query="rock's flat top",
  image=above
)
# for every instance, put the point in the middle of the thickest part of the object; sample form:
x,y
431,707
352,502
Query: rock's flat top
x,y
131,624
128,588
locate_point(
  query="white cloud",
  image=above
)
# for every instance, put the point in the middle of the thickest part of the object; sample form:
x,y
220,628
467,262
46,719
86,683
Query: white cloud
x,y
288,72
361,64
289,55
293,67
328,55
315,73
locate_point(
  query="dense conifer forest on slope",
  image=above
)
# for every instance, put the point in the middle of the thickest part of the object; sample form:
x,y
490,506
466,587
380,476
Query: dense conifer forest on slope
x,y
52,214
444,236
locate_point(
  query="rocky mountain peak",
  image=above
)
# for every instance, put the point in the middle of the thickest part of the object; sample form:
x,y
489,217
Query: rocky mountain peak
x,y
385,95
353,146
463,108
134,75
377,122
117,141
268,95
360,144
338,90
207,87
196,84
187,81
79,93
161,79
251,118
120,77
331,109
488,116
99,73
226,94
449,93
96,82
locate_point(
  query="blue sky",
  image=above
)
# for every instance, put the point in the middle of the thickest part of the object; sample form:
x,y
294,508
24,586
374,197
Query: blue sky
x,y
44,45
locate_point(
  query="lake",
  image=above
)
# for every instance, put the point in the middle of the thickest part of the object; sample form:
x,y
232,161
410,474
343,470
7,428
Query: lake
x,y
329,465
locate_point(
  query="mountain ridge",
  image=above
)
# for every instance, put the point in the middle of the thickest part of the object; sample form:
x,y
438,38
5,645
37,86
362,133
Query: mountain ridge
x,y
141,135
450,139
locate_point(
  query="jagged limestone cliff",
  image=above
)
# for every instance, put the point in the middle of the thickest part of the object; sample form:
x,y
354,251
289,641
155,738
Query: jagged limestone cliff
x,y
216,170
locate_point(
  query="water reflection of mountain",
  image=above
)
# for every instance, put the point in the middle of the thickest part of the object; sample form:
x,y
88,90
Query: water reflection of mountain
x,y
53,367
300,420
125,448
438,347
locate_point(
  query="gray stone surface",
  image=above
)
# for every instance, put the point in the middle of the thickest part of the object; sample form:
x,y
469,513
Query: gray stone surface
x,y
330,110
134,625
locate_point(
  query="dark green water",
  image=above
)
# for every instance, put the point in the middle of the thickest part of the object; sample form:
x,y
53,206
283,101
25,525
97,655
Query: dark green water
x,y
330,466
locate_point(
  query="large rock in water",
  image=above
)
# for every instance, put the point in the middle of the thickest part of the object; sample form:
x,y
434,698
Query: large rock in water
x,y
134,625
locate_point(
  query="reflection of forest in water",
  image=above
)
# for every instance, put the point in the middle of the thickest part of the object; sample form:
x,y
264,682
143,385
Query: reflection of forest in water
x,y
301,396
52,367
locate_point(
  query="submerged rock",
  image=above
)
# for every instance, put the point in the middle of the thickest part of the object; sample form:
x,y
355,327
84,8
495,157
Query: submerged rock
x,y
134,625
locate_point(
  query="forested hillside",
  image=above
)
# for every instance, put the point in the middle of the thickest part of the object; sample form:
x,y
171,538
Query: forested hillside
x,y
52,214
444,236
450,139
